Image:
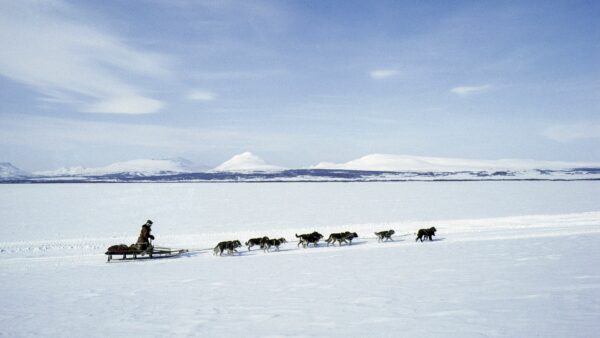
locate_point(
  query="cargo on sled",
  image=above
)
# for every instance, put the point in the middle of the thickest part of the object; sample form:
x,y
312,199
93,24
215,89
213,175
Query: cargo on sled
x,y
132,252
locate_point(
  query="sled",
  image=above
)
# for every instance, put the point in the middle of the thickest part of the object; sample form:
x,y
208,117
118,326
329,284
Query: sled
x,y
124,253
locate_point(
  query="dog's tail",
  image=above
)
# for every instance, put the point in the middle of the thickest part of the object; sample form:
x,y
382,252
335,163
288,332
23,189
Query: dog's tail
x,y
297,236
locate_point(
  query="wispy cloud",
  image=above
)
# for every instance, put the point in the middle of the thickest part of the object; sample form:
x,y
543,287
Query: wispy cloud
x,y
380,74
470,90
52,133
573,132
201,95
50,47
41,135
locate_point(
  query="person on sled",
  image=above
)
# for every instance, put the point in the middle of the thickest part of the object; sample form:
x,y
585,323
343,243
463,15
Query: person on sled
x,y
143,242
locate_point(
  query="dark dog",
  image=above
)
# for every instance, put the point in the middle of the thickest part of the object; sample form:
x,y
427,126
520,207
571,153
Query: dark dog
x,y
350,236
230,246
306,239
267,243
426,233
340,237
384,235
255,241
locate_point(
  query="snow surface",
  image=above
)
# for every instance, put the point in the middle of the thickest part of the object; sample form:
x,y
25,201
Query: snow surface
x,y
387,162
511,259
245,162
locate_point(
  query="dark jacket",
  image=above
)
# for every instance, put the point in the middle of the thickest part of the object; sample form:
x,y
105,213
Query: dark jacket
x,y
145,235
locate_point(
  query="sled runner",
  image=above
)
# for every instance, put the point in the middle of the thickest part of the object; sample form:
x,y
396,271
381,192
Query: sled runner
x,y
124,252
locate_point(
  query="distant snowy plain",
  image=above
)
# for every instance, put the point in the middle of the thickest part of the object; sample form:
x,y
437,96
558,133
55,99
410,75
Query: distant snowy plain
x,y
511,259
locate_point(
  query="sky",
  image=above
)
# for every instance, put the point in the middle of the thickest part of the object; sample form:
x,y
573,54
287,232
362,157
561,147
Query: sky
x,y
297,82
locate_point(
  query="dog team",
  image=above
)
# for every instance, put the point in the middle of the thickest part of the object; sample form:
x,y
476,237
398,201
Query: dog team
x,y
266,243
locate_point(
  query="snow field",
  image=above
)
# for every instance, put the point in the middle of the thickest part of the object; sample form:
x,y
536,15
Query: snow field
x,y
520,286
514,260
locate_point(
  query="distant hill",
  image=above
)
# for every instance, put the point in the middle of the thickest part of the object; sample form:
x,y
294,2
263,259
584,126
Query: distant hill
x,y
403,163
7,170
246,162
247,167
141,167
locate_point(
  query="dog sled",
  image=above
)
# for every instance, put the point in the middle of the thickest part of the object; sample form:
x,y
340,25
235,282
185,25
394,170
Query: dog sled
x,y
123,252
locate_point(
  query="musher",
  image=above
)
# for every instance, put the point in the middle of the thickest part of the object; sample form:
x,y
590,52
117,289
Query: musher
x,y
143,242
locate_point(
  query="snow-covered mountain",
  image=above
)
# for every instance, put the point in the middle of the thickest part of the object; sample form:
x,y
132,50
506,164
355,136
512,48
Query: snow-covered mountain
x,y
7,170
246,162
376,167
406,163
140,167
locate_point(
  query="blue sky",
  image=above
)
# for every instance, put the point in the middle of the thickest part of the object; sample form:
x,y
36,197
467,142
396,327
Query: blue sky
x,y
297,82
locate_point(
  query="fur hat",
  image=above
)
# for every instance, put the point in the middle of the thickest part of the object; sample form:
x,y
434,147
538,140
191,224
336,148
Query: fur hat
x,y
149,223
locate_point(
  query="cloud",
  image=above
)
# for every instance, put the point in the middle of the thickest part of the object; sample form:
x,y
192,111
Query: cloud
x,y
61,135
573,132
469,90
132,104
380,74
201,95
74,139
52,48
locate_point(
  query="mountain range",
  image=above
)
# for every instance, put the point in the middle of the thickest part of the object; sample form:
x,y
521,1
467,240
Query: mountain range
x,y
251,168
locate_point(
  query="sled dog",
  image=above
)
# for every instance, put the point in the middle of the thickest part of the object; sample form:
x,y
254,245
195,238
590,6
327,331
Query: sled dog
x,y
385,235
306,239
426,233
230,246
340,237
255,241
267,243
